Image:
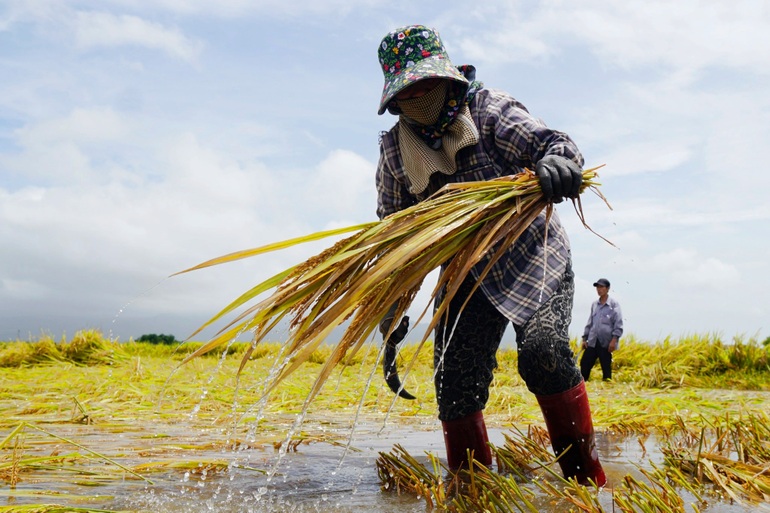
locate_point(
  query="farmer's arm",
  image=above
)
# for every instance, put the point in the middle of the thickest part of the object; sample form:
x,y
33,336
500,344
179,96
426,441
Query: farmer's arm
x,y
617,326
522,139
587,329
392,195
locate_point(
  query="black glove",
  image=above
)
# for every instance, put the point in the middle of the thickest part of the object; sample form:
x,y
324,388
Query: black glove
x,y
559,178
389,358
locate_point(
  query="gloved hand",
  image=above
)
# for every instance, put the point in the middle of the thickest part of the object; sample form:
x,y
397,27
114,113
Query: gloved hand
x,y
559,177
389,358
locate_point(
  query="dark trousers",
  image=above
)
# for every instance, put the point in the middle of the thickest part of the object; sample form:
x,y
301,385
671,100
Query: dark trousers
x,y
588,360
466,346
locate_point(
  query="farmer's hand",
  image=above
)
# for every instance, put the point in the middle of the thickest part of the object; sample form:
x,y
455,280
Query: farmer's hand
x,y
613,345
585,343
559,178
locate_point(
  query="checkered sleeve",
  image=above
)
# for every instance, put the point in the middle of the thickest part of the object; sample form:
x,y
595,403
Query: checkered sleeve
x,y
392,194
523,139
533,268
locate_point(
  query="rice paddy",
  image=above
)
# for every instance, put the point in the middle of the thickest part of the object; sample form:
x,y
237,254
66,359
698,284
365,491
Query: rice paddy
x,y
92,424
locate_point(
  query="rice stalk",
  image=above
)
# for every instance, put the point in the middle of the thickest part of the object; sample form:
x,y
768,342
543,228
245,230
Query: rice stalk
x,y
657,495
736,460
382,263
524,455
24,425
484,490
51,508
89,347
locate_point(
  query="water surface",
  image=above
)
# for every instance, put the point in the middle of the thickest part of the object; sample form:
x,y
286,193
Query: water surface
x,y
321,475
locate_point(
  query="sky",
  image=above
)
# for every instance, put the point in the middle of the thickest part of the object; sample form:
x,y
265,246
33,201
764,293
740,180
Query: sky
x,y
138,139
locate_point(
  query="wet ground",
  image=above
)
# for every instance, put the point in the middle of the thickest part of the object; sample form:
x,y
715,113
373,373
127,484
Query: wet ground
x,y
317,476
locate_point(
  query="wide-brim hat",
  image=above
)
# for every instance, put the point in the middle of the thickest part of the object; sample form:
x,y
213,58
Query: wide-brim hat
x,y
410,54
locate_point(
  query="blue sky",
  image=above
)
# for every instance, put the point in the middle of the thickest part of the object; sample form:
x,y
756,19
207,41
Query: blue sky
x,y
140,138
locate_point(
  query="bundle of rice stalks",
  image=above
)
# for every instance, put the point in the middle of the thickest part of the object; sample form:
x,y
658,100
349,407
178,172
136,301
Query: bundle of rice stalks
x,y
383,263
472,489
477,488
522,454
400,472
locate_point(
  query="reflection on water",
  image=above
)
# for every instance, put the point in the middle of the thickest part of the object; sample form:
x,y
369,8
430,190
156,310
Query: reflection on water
x,y
315,477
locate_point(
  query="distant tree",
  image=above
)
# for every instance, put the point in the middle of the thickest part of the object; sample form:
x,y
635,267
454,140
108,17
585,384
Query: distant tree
x,y
152,338
766,342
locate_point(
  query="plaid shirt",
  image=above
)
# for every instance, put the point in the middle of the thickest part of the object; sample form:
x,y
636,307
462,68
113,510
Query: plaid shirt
x,y
510,139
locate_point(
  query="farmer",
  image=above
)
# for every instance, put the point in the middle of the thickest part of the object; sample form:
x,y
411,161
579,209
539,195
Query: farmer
x,y
602,332
450,128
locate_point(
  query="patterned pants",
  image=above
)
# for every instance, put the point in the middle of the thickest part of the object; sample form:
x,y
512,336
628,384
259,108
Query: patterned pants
x,y
465,349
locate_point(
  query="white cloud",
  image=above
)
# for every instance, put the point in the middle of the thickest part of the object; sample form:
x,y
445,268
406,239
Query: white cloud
x,y
688,268
687,35
204,204
81,125
61,149
645,157
97,29
240,8
342,187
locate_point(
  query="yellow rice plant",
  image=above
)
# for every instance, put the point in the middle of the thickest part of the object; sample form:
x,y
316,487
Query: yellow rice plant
x,y
90,347
731,453
382,263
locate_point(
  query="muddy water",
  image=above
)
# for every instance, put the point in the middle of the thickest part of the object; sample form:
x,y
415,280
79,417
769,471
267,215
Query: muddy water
x,y
313,478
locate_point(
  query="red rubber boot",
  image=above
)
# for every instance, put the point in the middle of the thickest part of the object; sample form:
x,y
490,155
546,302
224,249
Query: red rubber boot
x,y
568,419
464,434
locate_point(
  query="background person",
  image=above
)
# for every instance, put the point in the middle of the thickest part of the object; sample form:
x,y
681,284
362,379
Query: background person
x,y
451,128
602,332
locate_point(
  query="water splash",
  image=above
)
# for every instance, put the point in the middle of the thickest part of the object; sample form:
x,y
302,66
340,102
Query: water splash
x,y
129,303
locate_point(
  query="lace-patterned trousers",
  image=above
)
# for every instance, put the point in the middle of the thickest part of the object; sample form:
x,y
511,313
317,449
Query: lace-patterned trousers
x,y
465,349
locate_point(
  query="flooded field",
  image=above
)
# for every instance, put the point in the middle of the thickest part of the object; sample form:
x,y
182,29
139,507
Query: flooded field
x,y
127,430
192,468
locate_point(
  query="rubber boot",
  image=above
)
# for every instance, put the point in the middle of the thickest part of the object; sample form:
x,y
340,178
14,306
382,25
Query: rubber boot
x,y
568,419
464,434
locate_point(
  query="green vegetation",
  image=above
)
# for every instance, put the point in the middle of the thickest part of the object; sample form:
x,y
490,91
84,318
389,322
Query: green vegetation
x,y
703,398
152,338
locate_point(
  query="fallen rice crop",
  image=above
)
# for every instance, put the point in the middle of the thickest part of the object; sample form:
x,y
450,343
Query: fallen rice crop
x,y
711,428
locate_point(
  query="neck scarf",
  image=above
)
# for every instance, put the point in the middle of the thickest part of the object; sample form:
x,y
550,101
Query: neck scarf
x,y
428,149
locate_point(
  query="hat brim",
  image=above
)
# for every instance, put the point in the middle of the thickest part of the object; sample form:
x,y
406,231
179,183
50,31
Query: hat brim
x,y
431,67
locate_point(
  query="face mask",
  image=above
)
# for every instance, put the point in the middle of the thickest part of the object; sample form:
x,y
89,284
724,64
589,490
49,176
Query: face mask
x,y
425,110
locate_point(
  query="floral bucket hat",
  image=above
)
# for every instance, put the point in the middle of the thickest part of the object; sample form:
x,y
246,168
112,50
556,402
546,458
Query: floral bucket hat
x,y
410,54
